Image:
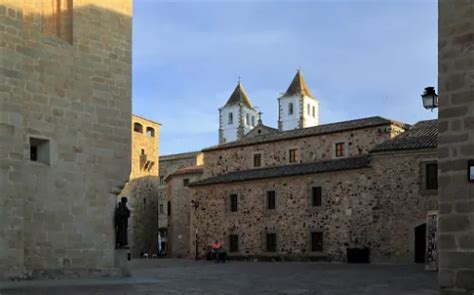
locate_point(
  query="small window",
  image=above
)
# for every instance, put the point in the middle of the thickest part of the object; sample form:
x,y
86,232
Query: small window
x,y
340,150
39,150
150,132
169,208
271,242
293,155
314,112
137,127
290,108
271,200
247,119
234,243
162,180
257,160
253,121
431,176
233,203
142,151
316,196
162,209
230,119
309,109
316,241
144,202
186,181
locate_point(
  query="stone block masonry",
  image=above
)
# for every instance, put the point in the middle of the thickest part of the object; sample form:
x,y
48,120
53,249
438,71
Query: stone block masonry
x,y
65,109
456,145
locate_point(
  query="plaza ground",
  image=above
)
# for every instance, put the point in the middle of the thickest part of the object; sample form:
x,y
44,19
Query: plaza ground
x,y
171,276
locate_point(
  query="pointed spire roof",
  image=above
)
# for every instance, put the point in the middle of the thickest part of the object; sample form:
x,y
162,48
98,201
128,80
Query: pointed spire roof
x,y
298,86
239,96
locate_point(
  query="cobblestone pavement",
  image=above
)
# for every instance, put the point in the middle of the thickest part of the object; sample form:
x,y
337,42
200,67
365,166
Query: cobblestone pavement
x,y
169,276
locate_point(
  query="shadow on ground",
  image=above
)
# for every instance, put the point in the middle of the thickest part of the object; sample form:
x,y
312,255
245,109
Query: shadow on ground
x,y
170,276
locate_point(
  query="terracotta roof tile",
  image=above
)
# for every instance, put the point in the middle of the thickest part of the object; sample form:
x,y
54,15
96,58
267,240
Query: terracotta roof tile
x,y
288,170
422,135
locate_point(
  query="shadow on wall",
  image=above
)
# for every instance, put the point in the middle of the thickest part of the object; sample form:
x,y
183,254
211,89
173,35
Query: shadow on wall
x,y
74,68
142,194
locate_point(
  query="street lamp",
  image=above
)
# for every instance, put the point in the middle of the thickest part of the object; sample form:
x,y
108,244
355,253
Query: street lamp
x,y
195,205
430,98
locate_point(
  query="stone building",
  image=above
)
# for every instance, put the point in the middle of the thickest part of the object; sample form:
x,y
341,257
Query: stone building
x,y
142,187
456,146
179,198
310,191
169,164
313,193
65,109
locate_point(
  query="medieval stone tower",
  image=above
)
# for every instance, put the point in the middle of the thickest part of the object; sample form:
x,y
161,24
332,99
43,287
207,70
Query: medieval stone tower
x,y
237,117
298,108
65,111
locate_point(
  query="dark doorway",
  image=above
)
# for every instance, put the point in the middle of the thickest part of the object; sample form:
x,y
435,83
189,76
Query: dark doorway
x,y
420,243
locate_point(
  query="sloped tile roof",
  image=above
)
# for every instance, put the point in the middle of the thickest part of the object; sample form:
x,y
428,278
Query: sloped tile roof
x,y
422,135
179,156
288,170
298,86
311,131
239,96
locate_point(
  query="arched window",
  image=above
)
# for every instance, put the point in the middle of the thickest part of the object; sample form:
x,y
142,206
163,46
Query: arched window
x,y
150,132
290,108
314,112
247,119
137,127
253,121
309,109
231,119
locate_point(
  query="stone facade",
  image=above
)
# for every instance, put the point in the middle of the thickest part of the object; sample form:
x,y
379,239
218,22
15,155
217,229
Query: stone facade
x,y
65,109
357,141
169,164
377,205
142,187
179,198
456,145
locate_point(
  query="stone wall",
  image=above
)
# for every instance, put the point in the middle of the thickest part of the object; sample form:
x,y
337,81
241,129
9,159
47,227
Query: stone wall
x,y
179,219
142,188
168,165
75,93
310,149
456,145
375,207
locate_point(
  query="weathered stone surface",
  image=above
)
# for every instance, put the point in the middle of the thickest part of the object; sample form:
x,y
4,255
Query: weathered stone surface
x,y
456,144
59,217
142,187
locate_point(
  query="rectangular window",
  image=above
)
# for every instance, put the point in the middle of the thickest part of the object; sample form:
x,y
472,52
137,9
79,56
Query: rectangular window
x,y
292,155
271,242
162,209
340,149
169,208
186,181
316,196
233,203
257,160
39,150
316,241
431,176
56,18
233,243
162,180
271,200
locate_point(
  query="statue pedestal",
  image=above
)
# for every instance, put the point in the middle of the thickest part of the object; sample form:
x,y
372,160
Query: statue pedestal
x,y
121,262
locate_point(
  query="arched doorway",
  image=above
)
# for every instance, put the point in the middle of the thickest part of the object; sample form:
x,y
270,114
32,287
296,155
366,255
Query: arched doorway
x,y
420,243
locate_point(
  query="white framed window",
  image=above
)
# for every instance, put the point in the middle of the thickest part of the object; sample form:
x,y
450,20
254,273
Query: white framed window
x,y
230,119
290,108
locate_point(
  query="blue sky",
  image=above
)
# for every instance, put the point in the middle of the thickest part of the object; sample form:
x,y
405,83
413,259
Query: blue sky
x,y
360,58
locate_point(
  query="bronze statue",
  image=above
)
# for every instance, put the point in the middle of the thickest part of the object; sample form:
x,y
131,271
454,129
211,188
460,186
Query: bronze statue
x,y
122,213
